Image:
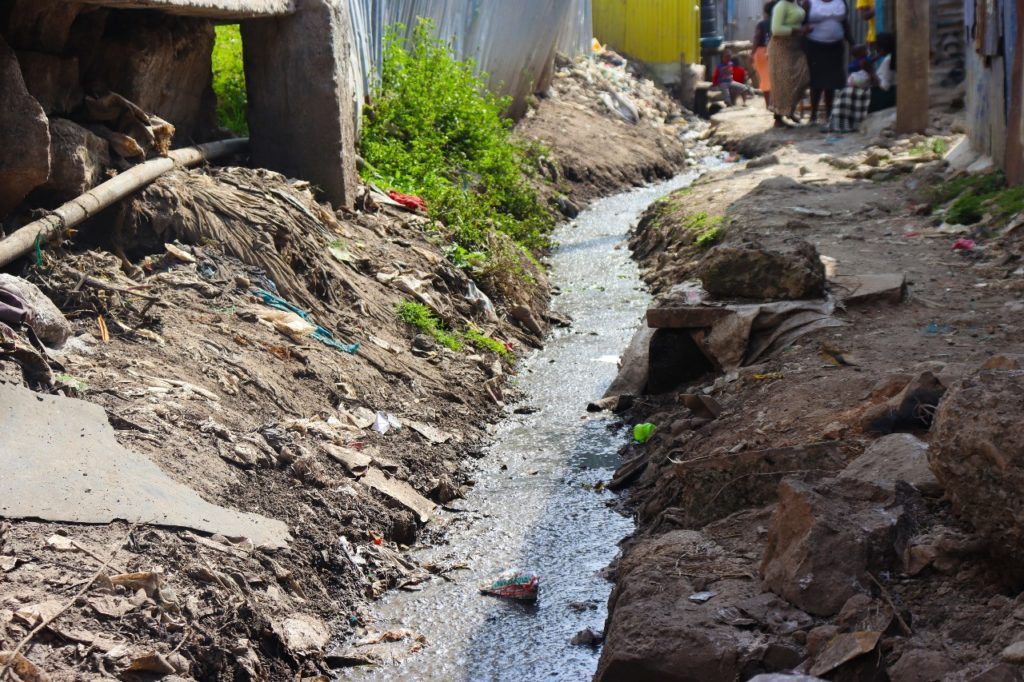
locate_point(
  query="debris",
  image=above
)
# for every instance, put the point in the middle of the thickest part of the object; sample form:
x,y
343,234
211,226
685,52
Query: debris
x,y
433,435
524,316
587,637
892,458
612,403
385,421
763,161
54,440
26,670
354,461
179,253
319,333
38,311
514,585
963,244
400,492
702,597
622,106
288,323
301,633
844,648
911,409
1013,653
643,432
855,289
409,201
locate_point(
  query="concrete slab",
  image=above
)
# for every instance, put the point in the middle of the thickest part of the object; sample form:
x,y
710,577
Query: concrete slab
x,y
853,289
213,9
61,462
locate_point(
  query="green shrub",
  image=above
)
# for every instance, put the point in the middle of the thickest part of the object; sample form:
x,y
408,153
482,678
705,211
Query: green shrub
x,y
484,342
974,196
421,317
229,79
434,130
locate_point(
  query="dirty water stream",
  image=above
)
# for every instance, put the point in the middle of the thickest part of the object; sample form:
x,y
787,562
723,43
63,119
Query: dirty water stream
x,y
534,506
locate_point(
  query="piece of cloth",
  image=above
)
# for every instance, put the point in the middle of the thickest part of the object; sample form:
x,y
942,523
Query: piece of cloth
x,y
411,202
787,17
849,110
321,334
789,74
826,64
764,75
826,20
882,99
13,309
868,4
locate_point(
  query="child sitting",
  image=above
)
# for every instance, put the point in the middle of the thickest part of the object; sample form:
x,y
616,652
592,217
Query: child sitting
x,y
731,79
862,72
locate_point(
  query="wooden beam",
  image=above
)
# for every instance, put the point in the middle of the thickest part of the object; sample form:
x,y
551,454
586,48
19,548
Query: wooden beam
x,y
913,58
210,9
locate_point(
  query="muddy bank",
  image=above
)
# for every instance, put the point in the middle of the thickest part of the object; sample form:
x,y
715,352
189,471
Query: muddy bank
x,y
185,349
801,499
597,151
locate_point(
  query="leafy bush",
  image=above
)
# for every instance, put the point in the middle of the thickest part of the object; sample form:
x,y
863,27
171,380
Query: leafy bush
x,y
421,317
434,130
229,79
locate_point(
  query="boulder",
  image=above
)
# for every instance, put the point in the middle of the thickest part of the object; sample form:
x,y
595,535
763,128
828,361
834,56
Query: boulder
x,y
752,271
921,665
655,632
46,319
78,159
892,458
823,541
52,80
24,135
977,454
42,24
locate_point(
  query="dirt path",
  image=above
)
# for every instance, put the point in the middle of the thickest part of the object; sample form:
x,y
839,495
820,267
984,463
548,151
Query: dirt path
x,y
790,581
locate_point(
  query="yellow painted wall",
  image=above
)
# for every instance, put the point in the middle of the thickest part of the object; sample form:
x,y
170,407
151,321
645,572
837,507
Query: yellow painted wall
x,y
653,31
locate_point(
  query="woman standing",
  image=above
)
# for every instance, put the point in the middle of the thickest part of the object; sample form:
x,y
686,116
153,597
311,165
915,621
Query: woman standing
x,y
786,59
825,46
762,33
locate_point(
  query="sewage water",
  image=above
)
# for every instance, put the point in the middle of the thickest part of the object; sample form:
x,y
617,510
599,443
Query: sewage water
x,y
534,506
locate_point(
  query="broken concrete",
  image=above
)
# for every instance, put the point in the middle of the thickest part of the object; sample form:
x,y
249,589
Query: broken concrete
x,y
857,289
977,453
896,457
62,462
24,135
752,271
280,54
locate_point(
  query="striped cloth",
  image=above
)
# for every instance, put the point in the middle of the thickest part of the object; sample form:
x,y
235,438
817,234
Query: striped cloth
x,y
850,110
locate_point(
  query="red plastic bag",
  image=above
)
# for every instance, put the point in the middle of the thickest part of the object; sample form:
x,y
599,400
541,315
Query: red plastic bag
x,y
964,245
410,201
519,586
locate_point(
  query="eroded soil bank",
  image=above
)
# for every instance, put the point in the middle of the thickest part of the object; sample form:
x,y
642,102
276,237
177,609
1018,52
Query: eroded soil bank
x,y
803,513
193,375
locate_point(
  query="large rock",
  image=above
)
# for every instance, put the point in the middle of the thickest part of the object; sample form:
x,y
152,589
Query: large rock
x,y
78,159
42,24
896,457
24,135
751,271
921,665
823,541
54,81
46,319
977,453
656,633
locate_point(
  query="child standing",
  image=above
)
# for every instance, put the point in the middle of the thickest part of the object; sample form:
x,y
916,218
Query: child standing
x,y
731,79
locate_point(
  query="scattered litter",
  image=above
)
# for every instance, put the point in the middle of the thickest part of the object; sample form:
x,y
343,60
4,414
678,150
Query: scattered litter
x,y
934,328
400,492
963,244
319,333
514,585
409,201
384,422
621,105
643,432
433,435
179,253
480,301
768,376
288,323
702,597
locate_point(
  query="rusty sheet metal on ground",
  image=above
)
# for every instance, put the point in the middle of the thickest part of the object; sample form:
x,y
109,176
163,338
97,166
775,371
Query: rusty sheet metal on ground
x,y
400,492
62,462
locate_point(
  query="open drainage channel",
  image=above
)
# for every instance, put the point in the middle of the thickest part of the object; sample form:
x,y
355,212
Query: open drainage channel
x,y
534,506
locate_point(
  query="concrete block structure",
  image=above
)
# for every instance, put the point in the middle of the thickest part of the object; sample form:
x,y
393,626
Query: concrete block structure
x,y
157,55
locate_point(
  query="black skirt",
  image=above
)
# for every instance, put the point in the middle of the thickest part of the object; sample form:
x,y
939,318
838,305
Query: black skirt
x,y
827,64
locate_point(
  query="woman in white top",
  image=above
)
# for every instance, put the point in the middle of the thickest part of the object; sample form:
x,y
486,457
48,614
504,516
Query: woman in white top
x,y
825,47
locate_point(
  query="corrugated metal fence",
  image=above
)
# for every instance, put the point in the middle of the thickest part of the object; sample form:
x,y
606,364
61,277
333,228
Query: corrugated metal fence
x,y
514,43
